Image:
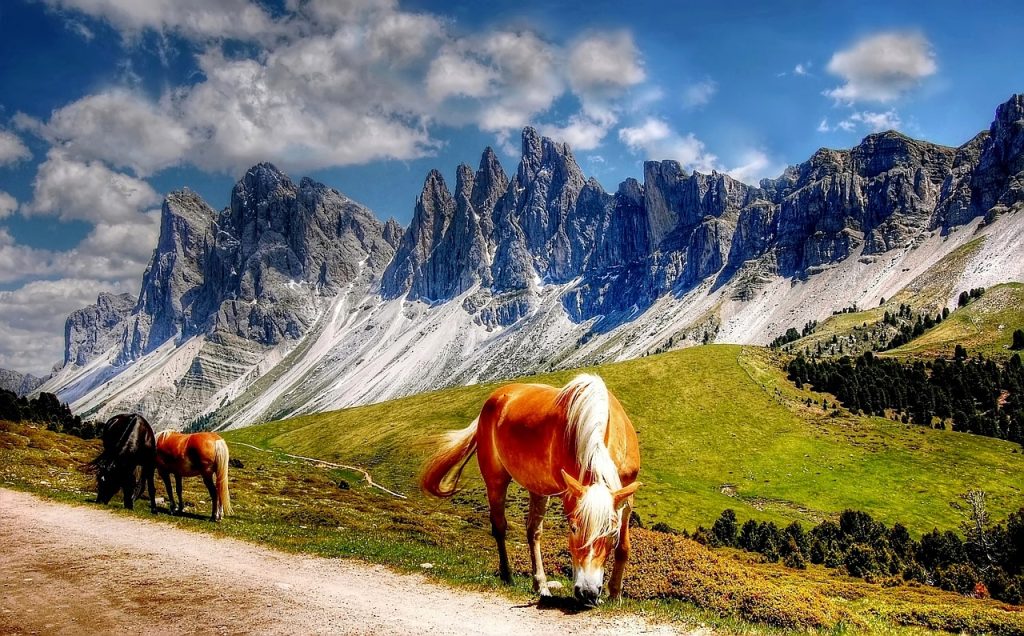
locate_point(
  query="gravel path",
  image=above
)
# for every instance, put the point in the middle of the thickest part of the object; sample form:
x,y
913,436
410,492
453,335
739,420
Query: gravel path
x,y
79,570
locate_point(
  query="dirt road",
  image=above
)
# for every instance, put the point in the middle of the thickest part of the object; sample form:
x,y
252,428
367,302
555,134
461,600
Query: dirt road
x,y
79,570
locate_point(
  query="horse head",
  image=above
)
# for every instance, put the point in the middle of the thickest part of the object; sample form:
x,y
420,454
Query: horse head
x,y
594,514
107,481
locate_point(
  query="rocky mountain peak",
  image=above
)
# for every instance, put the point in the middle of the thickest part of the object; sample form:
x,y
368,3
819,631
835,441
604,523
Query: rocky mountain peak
x,y
92,330
19,383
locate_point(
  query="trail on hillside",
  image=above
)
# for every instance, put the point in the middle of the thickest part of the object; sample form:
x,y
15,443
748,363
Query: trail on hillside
x,y
72,570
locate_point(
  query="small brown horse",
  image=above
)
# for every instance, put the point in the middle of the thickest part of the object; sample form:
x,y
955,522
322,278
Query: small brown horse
x,y
202,454
540,437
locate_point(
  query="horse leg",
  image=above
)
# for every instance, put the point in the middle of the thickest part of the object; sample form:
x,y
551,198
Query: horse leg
x,y
621,557
148,474
496,491
215,509
128,486
534,530
170,491
181,497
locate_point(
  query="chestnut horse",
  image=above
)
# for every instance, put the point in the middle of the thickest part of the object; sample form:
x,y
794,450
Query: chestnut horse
x,y
189,455
541,436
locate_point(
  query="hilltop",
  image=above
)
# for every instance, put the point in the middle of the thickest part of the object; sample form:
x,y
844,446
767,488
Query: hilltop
x,y
719,427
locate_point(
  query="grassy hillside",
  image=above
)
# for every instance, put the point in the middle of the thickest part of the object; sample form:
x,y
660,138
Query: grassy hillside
x,y
719,427
985,325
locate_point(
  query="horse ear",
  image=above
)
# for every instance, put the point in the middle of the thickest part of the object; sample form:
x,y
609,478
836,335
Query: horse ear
x,y
625,492
573,486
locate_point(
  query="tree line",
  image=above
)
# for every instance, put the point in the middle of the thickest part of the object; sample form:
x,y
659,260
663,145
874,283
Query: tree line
x,y
46,409
987,561
976,395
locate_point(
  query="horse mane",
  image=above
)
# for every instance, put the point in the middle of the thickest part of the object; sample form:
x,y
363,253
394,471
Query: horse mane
x,y
108,456
586,404
162,434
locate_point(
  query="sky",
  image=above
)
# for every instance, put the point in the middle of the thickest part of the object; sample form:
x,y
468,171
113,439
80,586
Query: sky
x,y
107,105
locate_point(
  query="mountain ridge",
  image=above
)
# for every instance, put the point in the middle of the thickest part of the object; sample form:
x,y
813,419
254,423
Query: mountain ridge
x,y
545,256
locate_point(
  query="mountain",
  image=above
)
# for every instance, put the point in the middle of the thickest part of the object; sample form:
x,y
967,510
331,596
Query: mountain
x,y
296,299
21,384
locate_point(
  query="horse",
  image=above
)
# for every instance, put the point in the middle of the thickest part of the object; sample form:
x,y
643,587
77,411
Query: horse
x,y
128,444
576,442
189,455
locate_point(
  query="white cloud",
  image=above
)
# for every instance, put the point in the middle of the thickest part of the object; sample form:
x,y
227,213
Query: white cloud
x,y
455,74
530,79
882,67
876,122
328,83
654,139
118,126
754,166
581,133
196,19
32,319
868,120
803,68
700,93
87,191
8,204
12,149
604,63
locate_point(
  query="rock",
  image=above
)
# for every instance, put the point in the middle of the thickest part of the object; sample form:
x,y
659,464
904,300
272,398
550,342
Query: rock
x,y
19,383
92,330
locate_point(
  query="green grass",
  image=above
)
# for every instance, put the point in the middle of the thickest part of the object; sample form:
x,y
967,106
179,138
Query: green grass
x,y
985,325
719,427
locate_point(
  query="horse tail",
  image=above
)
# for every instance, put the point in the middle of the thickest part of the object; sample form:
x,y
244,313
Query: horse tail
x,y
442,471
221,450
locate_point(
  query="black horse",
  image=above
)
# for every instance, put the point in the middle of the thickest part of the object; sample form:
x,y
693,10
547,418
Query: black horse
x,y
128,445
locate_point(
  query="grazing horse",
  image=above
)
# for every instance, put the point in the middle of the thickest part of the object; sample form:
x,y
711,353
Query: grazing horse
x,y
576,442
128,444
203,454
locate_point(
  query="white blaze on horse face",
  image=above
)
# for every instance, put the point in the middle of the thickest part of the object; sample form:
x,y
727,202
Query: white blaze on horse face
x,y
594,527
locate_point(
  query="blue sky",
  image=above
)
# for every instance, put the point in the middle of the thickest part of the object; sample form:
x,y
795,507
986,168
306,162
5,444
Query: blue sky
x,y
106,105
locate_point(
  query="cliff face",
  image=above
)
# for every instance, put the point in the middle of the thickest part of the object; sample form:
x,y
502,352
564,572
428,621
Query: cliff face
x,y
92,330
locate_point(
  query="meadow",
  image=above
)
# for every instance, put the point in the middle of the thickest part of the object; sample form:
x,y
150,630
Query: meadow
x,y
719,426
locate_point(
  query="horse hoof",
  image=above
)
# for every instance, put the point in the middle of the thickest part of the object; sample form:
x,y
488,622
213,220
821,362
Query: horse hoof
x,y
554,585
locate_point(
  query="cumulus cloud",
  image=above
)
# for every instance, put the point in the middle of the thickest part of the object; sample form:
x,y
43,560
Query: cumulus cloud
x,y
33,315
454,74
803,68
8,204
655,139
699,94
118,126
12,148
86,191
336,83
581,132
199,19
603,63
882,67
